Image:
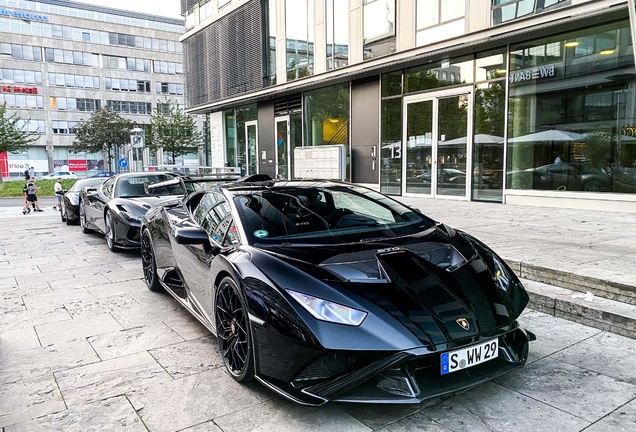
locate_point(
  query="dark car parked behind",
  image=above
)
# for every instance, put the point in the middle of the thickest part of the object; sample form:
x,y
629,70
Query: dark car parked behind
x,y
70,199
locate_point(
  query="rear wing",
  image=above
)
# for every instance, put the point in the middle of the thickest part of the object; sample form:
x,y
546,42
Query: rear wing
x,y
188,184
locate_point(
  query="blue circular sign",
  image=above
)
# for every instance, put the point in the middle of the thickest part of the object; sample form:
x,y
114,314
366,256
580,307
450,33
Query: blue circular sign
x,y
261,233
123,162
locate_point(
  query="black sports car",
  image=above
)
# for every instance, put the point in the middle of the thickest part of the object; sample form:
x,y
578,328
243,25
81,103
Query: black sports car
x,y
327,291
116,206
71,198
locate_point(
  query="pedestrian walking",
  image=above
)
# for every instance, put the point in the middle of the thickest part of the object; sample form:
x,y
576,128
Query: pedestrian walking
x,y
32,197
27,174
27,205
58,194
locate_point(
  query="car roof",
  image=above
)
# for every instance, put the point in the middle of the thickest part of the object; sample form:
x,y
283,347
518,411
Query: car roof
x,y
280,184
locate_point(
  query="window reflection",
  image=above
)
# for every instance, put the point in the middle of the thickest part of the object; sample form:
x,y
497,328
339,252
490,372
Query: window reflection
x,y
571,113
299,25
379,28
337,33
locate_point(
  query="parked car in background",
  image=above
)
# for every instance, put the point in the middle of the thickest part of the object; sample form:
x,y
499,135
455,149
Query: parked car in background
x,y
561,176
60,174
70,199
328,291
115,207
104,174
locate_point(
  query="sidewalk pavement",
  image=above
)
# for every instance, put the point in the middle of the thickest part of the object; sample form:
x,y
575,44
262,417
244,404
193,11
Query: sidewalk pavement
x,y
557,253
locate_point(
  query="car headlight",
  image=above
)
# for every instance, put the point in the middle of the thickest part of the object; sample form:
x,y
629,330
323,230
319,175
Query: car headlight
x,y
501,275
325,310
131,216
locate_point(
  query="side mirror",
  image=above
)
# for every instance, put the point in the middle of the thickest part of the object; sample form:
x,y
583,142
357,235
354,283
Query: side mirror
x,y
192,236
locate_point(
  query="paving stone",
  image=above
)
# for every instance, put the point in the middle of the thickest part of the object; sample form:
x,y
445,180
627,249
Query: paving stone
x,y
383,415
23,291
191,400
82,281
46,261
56,299
186,326
115,414
189,357
19,338
99,305
105,268
278,415
605,353
76,328
577,391
125,274
553,334
33,317
15,304
106,379
16,364
29,398
110,289
415,422
623,419
137,316
130,341
203,427
8,282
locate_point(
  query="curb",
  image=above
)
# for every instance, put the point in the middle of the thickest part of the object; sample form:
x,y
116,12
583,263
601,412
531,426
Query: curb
x,y
601,313
571,281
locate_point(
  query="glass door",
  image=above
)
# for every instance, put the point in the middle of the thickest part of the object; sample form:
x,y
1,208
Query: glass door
x,y
283,165
437,144
251,147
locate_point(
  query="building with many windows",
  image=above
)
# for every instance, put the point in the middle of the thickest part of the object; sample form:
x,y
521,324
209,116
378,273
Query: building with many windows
x,y
61,60
515,101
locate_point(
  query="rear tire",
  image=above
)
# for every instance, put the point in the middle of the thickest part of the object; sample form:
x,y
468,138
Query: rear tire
x,y
149,263
233,331
82,218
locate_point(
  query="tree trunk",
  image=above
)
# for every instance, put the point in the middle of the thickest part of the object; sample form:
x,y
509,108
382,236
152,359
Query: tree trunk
x,y
108,158
174,159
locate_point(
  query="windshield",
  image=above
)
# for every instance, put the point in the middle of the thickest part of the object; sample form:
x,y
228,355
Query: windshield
x,y
85,183
325,215
133,187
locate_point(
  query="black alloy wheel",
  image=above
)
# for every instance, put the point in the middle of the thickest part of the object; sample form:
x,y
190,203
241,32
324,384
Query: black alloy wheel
x,y
82,218
233,331
110,232
149,264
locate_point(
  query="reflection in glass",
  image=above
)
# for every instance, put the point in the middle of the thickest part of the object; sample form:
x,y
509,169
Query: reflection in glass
x,y
391,152
440,75
379,28
243,114
452,145
419,150
337,33
296,137
269,39
571,117
299,25
251,149
488,149
282,148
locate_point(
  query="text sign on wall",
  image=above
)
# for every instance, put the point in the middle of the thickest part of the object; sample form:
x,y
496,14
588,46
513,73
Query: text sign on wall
x,y
23,15
536,73
320,162
19,89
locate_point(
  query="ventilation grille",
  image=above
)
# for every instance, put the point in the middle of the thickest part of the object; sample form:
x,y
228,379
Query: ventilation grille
x,y
288,105
225,58
327,366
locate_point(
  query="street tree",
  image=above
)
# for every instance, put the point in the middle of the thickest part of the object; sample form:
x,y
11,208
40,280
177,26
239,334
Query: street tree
x,y
103,131
13,133
174,131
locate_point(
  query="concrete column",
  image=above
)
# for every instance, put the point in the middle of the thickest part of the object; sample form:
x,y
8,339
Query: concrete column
x,y
356,32
478,13
405,18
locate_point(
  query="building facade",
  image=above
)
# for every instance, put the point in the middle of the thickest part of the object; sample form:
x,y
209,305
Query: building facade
x,y
62,60
514,101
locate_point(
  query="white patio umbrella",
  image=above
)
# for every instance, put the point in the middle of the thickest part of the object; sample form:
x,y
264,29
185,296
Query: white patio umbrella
x,y
553,135
478,139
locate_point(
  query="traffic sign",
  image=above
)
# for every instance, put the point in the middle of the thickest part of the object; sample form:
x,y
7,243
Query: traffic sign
x,y
123,162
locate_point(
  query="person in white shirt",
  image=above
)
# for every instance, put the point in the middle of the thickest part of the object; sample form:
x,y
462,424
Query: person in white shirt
x,y
58,194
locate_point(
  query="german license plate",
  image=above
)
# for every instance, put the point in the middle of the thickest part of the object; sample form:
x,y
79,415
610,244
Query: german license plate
x,y
471,356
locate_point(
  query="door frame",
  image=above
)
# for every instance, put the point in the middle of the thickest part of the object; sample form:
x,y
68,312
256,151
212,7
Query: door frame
x,y
247,146
435,96
280,119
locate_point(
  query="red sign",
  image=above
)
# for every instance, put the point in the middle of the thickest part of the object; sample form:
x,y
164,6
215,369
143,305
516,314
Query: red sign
x,y
77,165
4,164
18,89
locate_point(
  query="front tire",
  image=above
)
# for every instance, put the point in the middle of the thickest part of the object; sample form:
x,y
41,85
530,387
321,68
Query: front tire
x,y
149,263
233,331
110,232
82,218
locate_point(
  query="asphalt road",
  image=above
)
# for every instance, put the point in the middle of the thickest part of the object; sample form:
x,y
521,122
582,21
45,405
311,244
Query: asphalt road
x,y
45,202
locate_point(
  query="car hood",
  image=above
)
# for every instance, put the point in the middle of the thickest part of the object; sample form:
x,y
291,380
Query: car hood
x,y
140,204
439,287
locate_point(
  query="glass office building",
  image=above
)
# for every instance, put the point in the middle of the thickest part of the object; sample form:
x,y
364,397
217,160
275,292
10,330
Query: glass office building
x,y
61,60
513,101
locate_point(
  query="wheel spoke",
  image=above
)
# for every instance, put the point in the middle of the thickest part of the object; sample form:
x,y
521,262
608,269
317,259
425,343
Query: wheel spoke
x,y
232,329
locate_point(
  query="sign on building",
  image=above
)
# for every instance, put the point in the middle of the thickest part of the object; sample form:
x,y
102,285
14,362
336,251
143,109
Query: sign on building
x,y
321,162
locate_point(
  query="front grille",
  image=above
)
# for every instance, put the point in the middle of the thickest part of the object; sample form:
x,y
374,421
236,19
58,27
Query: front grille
x,y
133,234
327,366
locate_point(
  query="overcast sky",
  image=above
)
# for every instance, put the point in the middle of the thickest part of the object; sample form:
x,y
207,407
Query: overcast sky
x,y
169,8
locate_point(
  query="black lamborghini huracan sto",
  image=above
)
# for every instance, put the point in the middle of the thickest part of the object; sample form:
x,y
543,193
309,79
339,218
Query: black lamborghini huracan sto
x,y
328,291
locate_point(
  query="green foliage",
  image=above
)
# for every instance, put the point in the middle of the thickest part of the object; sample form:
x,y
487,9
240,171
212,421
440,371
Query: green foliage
x,y
11,189
598,148
490,112
174,131
102,131
12,136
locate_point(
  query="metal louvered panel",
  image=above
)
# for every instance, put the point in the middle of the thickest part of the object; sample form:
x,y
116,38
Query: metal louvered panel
x,y
225,58
288,105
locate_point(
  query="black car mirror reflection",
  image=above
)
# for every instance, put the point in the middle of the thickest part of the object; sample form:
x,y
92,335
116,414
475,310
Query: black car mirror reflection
x,y
193,236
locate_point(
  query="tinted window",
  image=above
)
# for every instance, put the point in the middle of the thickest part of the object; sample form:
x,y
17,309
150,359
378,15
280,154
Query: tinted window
x,y
213,215
85,183
128,187
107,187
325,215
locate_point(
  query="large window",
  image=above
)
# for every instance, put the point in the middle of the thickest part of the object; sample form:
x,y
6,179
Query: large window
x,y
379,28
299,26
126,63
54,55
572,121
128,107
508,10
68,80
439,19
22,101
21,52
337,21
19,76
268,26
